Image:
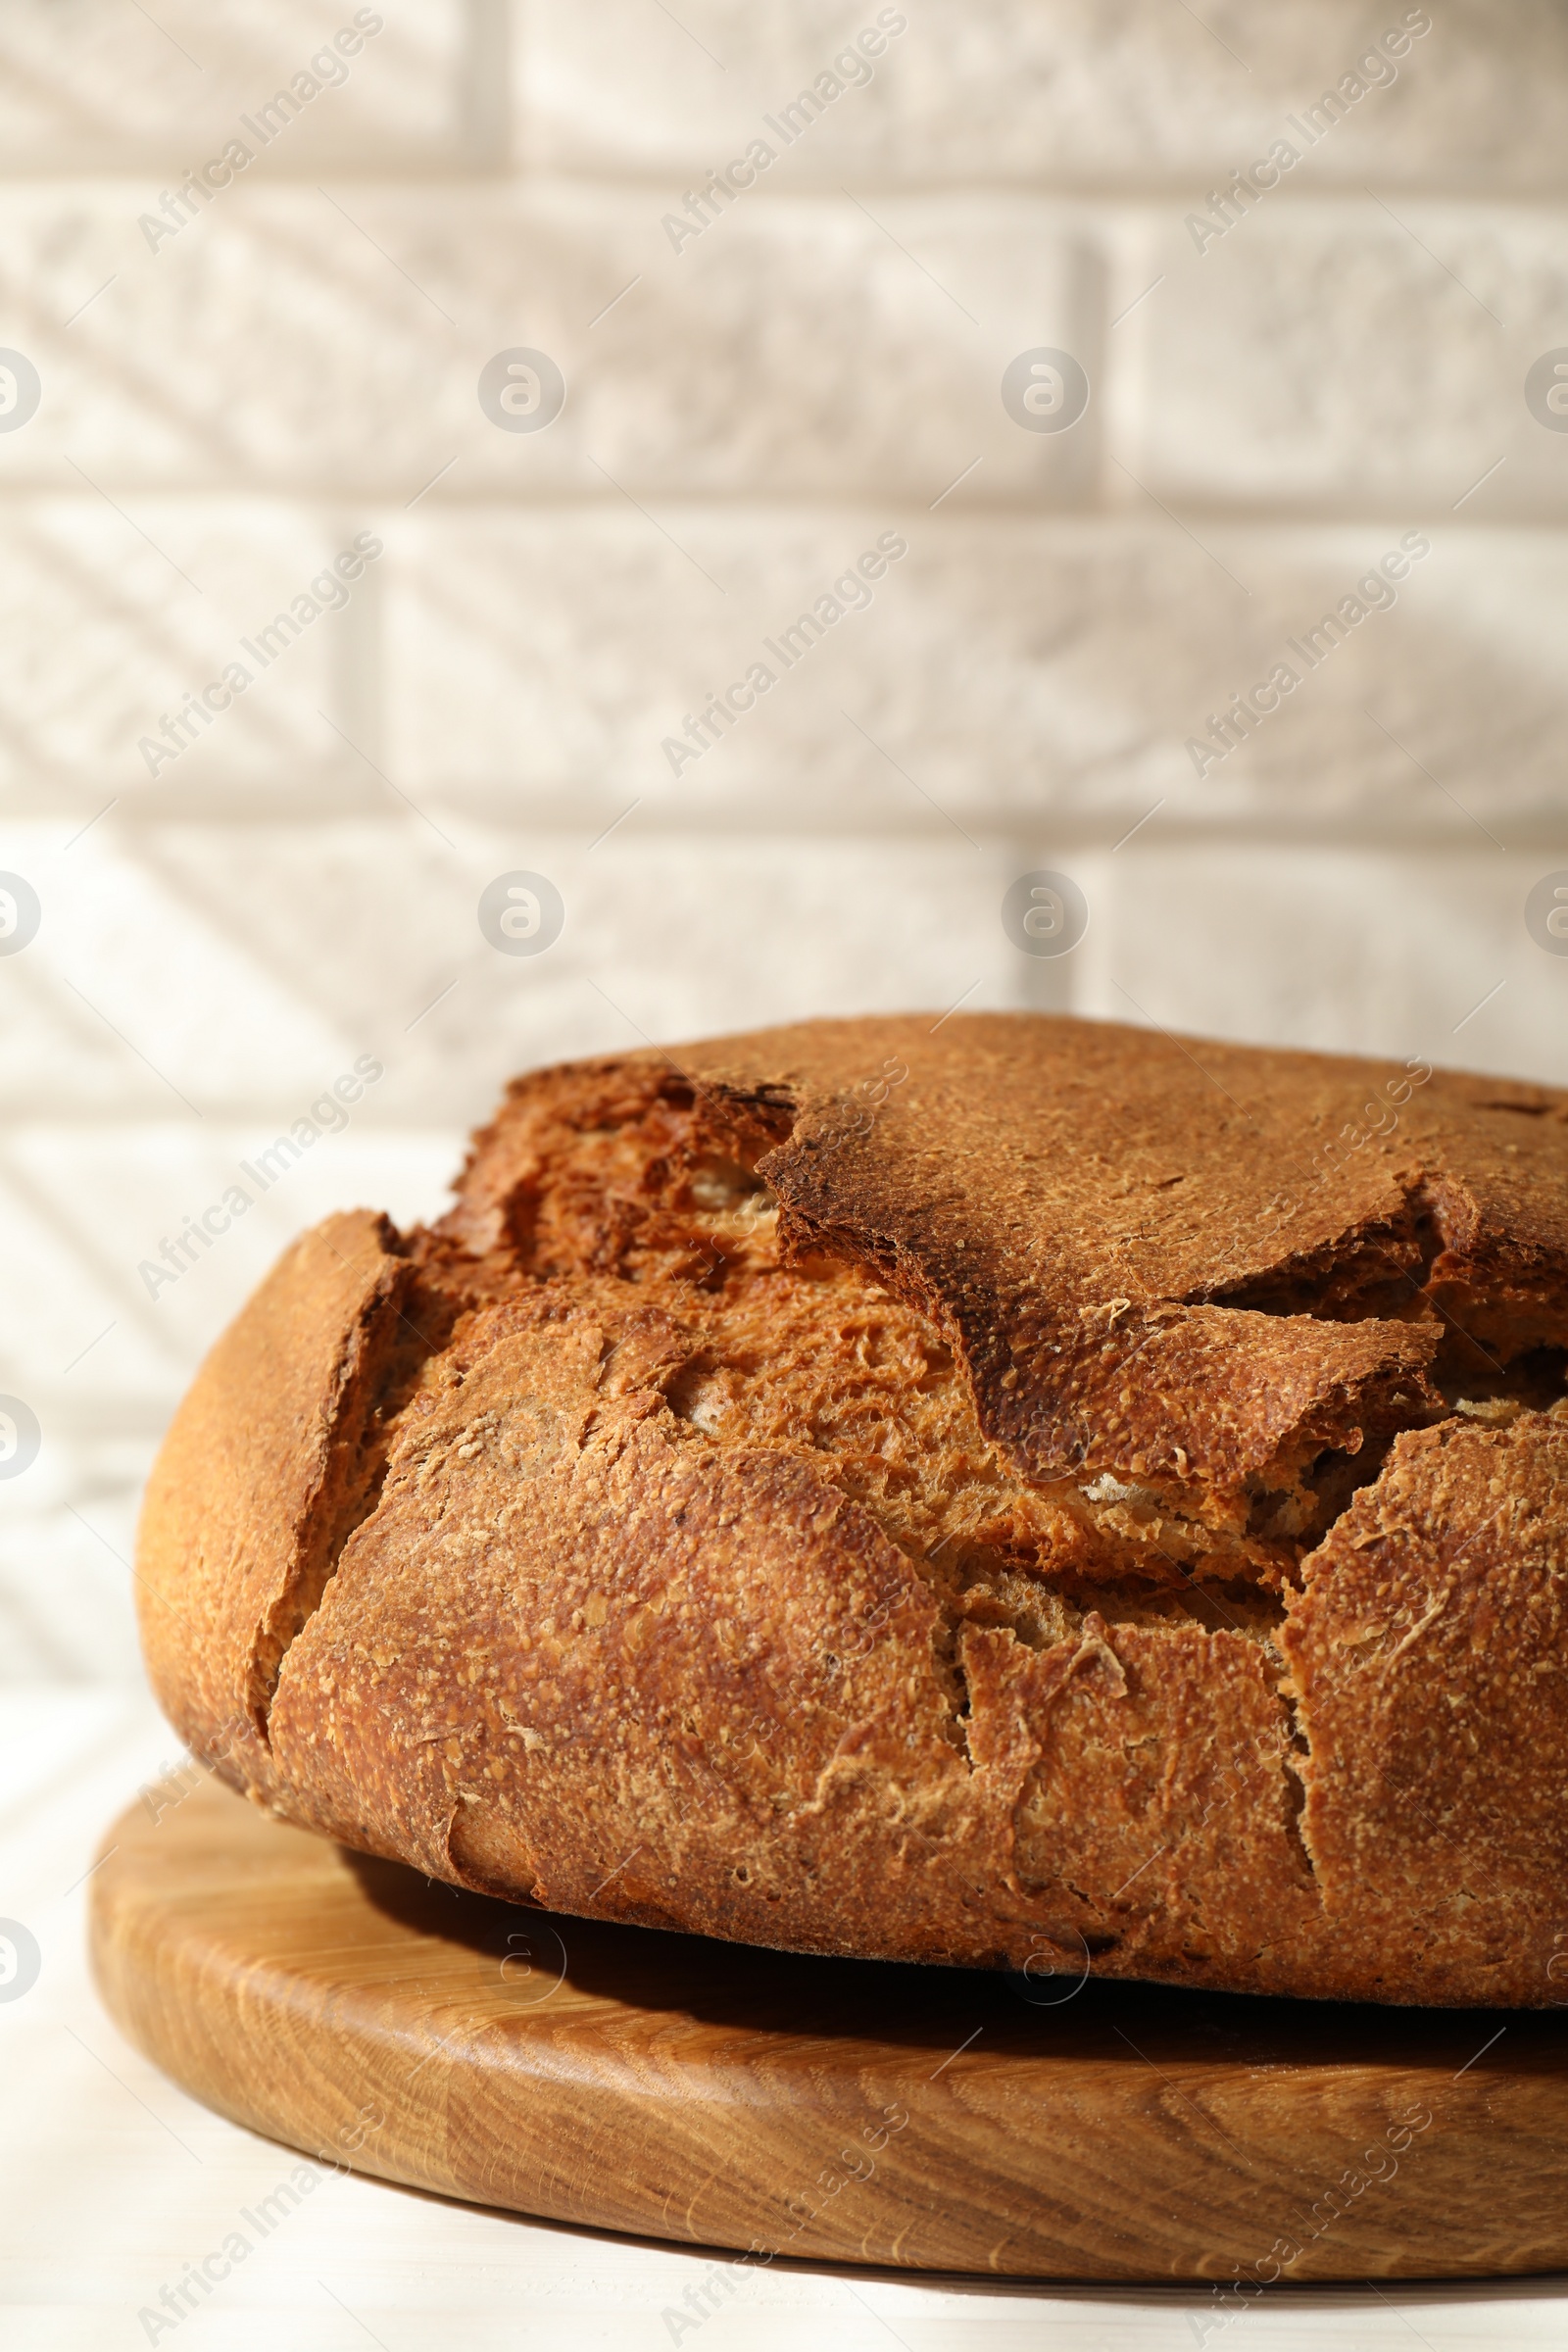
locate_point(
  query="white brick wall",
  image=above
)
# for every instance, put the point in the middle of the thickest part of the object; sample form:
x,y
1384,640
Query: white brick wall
x,y
745,415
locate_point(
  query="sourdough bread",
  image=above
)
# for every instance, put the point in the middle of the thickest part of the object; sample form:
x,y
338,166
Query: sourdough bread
x,y
1017,1492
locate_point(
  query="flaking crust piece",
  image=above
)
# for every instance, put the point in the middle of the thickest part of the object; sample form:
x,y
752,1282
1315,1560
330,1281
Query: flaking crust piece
x,y
1009,1492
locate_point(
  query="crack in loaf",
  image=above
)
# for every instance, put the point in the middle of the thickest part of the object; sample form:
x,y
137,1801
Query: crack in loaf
x,y
963,1518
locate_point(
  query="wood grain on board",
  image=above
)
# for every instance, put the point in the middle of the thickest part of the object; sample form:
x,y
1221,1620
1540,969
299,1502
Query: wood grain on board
x,y
848,2110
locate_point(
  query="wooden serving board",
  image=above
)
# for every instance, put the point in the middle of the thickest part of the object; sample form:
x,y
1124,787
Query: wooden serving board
x,y
841,2110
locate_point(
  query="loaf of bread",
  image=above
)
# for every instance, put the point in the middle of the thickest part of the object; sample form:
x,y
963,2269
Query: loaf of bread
x,y
1008,1491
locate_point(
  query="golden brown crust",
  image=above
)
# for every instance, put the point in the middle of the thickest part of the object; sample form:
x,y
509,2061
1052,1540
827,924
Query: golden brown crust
x,y
260,1468
1429,1648
929,1493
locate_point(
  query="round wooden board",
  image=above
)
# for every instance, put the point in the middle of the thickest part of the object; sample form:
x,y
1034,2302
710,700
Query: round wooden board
x,y
841,2110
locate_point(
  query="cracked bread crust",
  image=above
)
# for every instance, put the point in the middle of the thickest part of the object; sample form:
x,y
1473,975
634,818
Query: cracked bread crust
x,y
261,1472
1005,1496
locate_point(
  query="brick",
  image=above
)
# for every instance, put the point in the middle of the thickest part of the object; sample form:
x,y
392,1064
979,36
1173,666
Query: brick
x,y
1317,356
683,935
88,1343
94,89
1379,952
794,347
769,930
115,619
1071,95
1005,667
248,975
1330,945
172,980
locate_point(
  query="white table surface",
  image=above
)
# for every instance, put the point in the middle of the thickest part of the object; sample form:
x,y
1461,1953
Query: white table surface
x,y
111,2181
